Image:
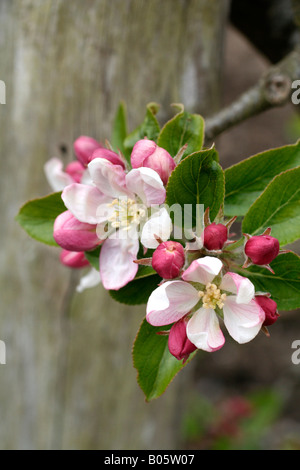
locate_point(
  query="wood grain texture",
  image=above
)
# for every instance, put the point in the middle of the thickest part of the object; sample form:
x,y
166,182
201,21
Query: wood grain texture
x,y
69,382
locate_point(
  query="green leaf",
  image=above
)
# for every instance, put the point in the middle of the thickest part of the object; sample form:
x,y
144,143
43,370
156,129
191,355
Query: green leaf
x,y
183,128
277,207
37,217
149,128
137,292
198,179
284,285
246,180
93,257
155,365
119,130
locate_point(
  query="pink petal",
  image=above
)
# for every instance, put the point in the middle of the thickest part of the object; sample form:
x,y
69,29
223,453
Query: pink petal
x,y
203,330
146,153
161,162
147,184
109,178
84,146
109,155
203,270
117,266
170,302
243,321
239,285
56,177
84,202
73,259
75,170
141,150
73,235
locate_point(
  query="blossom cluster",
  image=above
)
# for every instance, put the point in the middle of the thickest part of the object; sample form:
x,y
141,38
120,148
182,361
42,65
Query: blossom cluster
x,y
120,206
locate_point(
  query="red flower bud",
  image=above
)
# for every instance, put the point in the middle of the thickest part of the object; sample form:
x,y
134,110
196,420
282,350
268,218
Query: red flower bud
x,y
84,146
168,259
262,249
148,154
214,236
179,344
269,306
73,235
73,259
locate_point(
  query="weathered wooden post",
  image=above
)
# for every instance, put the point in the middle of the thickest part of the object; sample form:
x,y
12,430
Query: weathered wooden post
x,y
68,381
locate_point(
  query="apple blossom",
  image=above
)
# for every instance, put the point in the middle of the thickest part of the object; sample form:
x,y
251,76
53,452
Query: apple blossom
x,y
146,153
117,203
203,294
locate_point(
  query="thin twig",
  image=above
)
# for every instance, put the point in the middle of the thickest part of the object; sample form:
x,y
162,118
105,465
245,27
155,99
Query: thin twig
x,y
273,89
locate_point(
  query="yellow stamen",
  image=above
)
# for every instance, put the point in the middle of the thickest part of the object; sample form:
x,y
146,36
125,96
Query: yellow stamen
x,y
126,212
212,297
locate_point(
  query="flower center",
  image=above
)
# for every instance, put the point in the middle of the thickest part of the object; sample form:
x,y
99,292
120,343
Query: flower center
x,y
212,297
126,212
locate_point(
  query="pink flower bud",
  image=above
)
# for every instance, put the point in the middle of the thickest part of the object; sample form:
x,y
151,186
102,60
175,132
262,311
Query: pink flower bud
x,y
179,345
73,259
168,259
109,155
75,169
84,146
214,236
73,235
269,306
262,249
147,153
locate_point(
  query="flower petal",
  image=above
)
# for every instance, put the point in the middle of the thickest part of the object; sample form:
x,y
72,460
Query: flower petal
x,y
203,270
243,321
170,302
91,279
73,259
203,330
239,285
147,184
141,150
109,178
56,177
84,202
160,224
117,256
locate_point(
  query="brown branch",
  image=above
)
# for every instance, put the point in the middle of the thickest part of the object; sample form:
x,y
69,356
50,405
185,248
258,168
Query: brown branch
x,y
273,89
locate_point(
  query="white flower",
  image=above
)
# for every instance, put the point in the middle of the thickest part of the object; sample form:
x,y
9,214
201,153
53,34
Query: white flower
x,y
202,293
